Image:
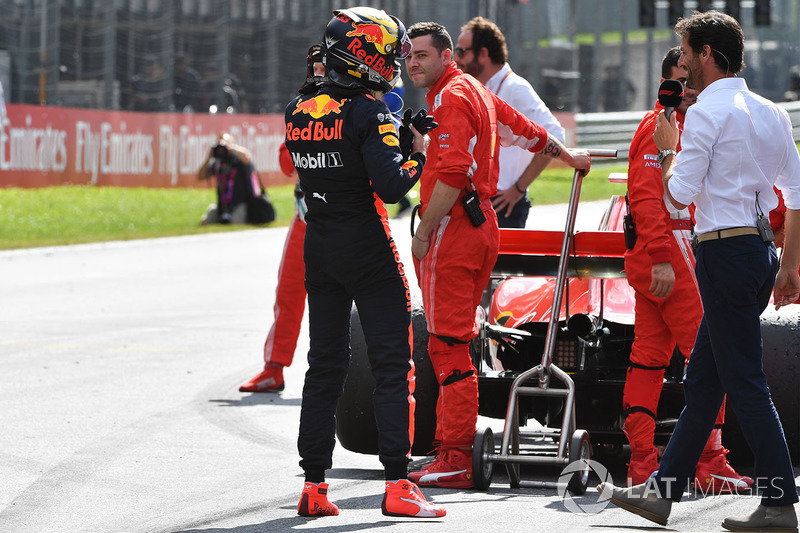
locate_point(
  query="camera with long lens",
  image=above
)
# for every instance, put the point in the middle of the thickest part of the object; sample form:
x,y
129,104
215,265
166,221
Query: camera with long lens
x,y
221,152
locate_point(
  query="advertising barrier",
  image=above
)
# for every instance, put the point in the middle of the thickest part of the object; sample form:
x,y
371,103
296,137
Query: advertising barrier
x,y
46,146
42,146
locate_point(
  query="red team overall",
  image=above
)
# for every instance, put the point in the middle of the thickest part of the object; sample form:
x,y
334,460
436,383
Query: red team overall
x,y
453,256
290,299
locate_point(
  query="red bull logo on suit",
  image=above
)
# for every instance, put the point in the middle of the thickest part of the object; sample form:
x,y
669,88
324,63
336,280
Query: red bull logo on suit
x,y
314,131
319,106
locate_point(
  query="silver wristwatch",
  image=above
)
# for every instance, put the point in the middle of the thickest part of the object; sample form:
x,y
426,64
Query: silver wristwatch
x,y
664,153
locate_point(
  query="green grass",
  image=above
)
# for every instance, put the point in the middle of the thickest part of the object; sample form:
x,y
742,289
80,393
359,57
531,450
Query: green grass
x,y
609,38
554,185
80,214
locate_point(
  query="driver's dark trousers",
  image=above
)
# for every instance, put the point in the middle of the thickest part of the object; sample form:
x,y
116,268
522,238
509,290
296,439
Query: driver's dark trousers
x,y
348,263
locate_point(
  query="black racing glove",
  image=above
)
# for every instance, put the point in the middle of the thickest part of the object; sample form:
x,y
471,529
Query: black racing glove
x,y
406,141
422,121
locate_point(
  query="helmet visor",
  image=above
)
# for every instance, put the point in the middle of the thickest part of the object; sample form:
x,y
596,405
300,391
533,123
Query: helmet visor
x,y
404,46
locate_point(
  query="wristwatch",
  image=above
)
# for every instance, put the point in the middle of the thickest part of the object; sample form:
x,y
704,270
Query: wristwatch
x,y
664,153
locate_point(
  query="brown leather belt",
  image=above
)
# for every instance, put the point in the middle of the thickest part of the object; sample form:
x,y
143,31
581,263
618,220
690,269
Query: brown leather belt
x,y
682,224
726,233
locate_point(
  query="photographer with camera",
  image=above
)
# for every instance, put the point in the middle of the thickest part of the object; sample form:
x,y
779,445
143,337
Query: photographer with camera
x,y
237,186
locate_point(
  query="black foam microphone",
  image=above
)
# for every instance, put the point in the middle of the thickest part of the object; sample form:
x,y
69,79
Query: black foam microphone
x,y
670,95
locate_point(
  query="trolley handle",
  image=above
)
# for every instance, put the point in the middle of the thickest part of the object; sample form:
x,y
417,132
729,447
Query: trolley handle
x,y
596,153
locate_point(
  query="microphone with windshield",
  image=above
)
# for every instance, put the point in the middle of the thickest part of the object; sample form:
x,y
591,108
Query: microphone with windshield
x,y
670,95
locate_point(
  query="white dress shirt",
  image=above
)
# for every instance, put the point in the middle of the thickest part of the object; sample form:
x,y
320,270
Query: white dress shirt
x,y
516,90
734,144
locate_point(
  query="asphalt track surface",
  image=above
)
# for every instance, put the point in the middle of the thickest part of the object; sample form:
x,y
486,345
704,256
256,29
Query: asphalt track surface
x,y
120,411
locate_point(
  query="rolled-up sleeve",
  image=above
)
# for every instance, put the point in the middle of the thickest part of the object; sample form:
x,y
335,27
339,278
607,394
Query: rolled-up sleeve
x,y
788,180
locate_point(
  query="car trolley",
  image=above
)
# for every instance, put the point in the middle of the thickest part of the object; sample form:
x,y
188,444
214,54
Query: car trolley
x,y
569,444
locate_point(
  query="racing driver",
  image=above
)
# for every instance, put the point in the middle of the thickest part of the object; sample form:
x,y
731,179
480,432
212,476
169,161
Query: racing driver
x,y
346,149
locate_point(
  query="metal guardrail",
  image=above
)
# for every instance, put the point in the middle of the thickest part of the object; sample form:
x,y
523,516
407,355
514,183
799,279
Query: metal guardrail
x,y
615,130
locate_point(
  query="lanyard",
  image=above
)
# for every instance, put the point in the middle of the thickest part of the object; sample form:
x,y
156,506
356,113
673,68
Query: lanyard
x,y
501,82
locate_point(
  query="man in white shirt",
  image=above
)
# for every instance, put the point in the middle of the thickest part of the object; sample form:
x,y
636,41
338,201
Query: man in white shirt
x,y
735,146
481,51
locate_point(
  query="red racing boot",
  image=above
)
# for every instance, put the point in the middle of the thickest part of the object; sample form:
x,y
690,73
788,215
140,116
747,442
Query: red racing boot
x,y
268,380
314,501
452,469
715,475
403,498
642,466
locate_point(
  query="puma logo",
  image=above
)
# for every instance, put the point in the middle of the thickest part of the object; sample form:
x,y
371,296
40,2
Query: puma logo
x,y
320,196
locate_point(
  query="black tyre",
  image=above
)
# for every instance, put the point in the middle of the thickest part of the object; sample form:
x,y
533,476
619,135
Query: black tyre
x,y
482,468
580,449
781,341
355,414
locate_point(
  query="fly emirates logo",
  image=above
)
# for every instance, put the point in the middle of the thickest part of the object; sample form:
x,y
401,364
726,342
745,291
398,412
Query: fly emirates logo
x,y
112,150
32,148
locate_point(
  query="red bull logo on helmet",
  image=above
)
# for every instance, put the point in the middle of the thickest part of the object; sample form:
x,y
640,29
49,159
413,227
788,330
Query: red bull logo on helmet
x,y
376,61
377,34
319,106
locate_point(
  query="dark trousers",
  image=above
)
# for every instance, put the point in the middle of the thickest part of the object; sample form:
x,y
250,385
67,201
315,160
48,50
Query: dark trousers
x,y
518,216
735,277
337,274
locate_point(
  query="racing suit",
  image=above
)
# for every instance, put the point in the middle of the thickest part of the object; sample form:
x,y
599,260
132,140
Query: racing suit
x,y
290,295
346,150
663,236
456,269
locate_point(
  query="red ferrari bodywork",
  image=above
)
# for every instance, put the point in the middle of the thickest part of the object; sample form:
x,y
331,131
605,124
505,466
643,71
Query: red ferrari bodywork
x,y
521,300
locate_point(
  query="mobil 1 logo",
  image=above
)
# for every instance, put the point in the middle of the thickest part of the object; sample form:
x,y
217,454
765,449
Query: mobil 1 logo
x,y
318,160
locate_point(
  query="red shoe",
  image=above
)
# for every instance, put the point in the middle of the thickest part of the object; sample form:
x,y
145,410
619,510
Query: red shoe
x,y
452,469
403,498
268,380
715,475
314,501
640,470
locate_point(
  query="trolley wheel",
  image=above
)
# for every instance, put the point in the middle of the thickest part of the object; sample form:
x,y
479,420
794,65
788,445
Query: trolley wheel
x,y
513,469
482,467
580,449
